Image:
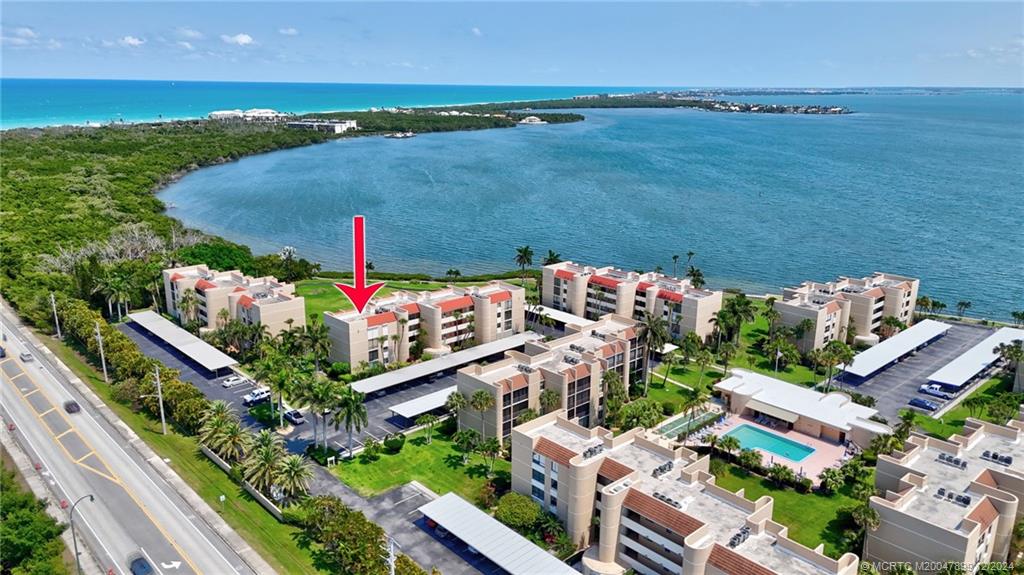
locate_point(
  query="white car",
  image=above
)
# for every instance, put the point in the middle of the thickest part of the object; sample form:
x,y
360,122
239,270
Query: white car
x,y
256,396
233,381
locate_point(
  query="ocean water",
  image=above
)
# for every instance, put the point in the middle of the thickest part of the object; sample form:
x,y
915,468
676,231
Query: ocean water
x,y
923,185
30,102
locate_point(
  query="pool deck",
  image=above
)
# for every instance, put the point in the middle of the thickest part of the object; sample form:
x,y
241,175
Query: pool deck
x,y
826,454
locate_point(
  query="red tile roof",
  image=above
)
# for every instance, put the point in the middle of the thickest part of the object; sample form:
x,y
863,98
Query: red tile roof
x,y
662,513
670,295
554,451
204,284
513,383
832,307
874,292
455,303
732,563
604,281
381,318
412,307
577,371
564,274
613,469
610,349
629,333
984,513
238,289
245,301
985,478
176,276
501,296
644,286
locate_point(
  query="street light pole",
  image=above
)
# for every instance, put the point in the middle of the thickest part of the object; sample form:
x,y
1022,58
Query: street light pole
x,y
56,320
160,398
103,356
74,539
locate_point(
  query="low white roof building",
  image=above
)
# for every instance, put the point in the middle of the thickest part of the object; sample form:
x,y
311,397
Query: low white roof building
x,y
789,402
196,349
875,358
975,360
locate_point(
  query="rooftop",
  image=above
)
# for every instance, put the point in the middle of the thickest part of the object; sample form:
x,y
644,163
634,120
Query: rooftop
x,y
976,359
875,358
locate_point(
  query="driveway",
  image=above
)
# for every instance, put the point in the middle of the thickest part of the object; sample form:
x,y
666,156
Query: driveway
x,y
896,385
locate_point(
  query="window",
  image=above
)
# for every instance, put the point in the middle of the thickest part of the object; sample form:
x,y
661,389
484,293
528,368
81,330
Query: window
x,y
538,459
538,476
537,494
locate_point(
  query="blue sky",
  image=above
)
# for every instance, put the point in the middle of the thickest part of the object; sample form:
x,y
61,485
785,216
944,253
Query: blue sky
x,y
574,43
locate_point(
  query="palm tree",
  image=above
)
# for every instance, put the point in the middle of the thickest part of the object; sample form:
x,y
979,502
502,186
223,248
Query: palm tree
x,y
321,396
675,265
466,440
729,444
885,444
551,258
427,420
781,474
481,401
232,443
223,317
865,516
962,306
293,475
217,409
831,479
455,403
524,259
490,449
652,335
669,361
772,315
703,360
1012,353
317,339
696,277
891,325
452,273
549,400
105,286
262,465
726,352
836,353
712,442
188,305
351,414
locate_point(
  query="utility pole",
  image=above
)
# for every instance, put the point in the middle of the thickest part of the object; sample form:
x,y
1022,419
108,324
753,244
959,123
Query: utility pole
x,y
103,356
390,555
160,398
56,320
74,539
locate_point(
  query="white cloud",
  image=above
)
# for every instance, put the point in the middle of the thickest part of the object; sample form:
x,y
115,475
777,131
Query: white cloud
x,y
189,33
974,53
25,32
237,39
186,45
289,31
53,44
131,41
13,41
476,31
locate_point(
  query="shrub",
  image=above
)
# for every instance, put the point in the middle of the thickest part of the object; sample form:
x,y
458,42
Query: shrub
x,y
517,511
321,455
371,450
394,442
804,485
668,407
338,369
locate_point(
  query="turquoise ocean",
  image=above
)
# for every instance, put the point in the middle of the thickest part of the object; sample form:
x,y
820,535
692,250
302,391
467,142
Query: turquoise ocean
x,y
923,183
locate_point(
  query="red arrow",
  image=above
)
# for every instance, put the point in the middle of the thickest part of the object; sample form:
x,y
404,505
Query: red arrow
x,y
359,293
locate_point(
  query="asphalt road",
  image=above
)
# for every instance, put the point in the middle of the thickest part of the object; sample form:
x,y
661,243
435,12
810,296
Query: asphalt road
x,y
135,511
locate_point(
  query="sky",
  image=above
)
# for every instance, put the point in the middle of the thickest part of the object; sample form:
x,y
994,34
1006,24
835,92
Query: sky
x,y
724,44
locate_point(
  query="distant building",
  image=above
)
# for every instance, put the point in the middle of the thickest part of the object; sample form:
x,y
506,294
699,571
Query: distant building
x,y
954,500
573,366
250,115
593,292
331,126
247,299
837,306
532,120
449,317
225,115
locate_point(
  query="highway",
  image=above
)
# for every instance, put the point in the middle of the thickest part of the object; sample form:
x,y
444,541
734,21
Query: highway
x,y
135,511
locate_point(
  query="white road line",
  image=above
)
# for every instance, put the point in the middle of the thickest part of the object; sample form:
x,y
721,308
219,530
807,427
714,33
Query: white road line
x,y
154,564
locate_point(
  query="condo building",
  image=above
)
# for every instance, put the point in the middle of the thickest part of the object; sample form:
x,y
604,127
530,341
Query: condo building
x,y
643,503
265,300
593,292
953,500
573,366
448,318
836,307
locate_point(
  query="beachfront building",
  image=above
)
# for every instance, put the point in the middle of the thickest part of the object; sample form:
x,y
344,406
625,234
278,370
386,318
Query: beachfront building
x,y
593,292
572,366
832,417
641,502
450,318
954,500
264,301
329,126
847,305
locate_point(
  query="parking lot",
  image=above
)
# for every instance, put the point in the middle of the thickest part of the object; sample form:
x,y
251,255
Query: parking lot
x,y
898,384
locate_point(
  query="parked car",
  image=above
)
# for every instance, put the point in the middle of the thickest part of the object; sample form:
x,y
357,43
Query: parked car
x,y
140,566
3,352
294,417
923,404
441,532
256,396
472,550
26,356
233,381
72,406
935,390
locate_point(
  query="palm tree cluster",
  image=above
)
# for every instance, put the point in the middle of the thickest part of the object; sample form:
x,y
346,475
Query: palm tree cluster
x,y
927,304
264,462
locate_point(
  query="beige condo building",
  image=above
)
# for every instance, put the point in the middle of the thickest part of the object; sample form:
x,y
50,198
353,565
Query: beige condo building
x,y
265,300
450,317
573,366
954,500
643,503
837,306
593,292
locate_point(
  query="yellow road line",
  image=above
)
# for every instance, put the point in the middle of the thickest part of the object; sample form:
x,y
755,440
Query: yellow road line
x,y
63,434
79,460
113,478
29,393
47,412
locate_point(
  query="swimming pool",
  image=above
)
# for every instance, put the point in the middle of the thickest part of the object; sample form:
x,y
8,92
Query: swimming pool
x,y
751,437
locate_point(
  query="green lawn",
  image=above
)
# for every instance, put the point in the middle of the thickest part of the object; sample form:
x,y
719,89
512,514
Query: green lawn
x,y
438,465
953,420
753,360
688,375
275,542
812,518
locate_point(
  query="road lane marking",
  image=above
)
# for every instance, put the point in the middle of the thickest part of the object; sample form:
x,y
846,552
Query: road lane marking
x,y
47,412
63,434
79,460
